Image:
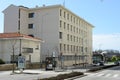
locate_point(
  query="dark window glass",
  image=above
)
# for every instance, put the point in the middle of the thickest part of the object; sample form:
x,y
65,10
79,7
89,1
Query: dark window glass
x,y
60,35
31,15
30,26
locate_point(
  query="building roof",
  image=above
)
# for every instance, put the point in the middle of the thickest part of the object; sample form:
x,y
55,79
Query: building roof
x,y
16,35
48,7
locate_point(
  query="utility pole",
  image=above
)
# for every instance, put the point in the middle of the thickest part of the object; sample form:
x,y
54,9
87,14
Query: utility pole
x,y
13,60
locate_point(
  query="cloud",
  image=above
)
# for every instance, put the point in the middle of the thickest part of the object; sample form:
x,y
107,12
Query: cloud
x,y
106,41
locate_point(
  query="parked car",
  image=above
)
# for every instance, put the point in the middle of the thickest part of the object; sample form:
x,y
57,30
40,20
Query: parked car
x,y
117,62
99,63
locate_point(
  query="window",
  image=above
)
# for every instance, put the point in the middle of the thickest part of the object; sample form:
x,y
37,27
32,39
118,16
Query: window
x,y
71,37
74,19
74,48
68,37
27,50
67,26
74,38
77,48
68,16
77,39
64,25
71,48
60,12
77,30
19,13
71,27
60,23
74,29
60,35
64,14
67,47
86,49
82,49
31,15
30,26
64,47
60,47
71,18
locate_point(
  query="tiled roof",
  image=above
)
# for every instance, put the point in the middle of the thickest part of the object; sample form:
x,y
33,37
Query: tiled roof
x,y
14,35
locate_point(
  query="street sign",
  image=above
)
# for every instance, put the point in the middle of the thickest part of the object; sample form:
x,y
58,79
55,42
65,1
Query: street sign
x,y
21,62
53,54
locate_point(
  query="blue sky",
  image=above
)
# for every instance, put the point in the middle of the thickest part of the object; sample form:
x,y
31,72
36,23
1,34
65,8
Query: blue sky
x,y
103,14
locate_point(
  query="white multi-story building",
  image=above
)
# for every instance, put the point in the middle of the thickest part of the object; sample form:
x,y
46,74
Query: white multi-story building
x,y
64,33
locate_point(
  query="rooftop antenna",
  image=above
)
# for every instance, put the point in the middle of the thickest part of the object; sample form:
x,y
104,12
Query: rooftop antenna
x,y
64,3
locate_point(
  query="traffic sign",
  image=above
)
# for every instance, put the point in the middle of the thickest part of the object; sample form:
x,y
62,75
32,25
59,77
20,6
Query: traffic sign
x,y
21,62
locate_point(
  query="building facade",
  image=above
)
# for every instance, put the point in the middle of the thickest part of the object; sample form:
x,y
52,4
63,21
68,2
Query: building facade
x,y
15,45
64,33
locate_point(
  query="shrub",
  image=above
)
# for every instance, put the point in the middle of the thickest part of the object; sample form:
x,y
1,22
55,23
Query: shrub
x,y
100,68
1,61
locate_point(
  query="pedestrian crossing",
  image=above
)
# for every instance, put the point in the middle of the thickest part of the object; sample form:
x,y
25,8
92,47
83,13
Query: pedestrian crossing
x,y
105,75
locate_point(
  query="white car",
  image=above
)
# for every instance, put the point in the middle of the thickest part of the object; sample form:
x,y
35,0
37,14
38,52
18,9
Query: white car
x,y
101,63
117,62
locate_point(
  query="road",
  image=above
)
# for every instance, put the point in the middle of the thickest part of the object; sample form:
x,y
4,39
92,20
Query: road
x,y
107,74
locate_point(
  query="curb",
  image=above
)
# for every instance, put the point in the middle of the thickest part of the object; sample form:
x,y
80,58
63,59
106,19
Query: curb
x,y
75,77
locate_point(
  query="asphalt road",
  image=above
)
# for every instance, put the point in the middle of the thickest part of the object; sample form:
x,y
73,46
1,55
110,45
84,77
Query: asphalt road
x,y
107,74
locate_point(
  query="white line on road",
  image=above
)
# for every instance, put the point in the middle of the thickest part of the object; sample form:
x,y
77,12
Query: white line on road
x,y
107,75
116,75
100,74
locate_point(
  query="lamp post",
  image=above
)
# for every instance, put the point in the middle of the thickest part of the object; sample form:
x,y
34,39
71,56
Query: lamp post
x,y
75,59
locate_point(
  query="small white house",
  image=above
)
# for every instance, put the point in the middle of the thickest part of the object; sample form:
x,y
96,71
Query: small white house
x,y
16,44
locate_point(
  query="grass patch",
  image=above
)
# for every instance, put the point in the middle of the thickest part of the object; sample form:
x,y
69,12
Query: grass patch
x,y
100,68
64,76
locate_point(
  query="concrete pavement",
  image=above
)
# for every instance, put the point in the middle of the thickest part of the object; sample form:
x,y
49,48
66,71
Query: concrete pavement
x,y
34,74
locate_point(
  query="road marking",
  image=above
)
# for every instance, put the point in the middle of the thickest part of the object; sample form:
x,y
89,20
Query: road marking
x,y
107,75
100,74
116,75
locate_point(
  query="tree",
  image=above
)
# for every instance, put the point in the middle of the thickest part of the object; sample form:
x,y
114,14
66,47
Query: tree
x,y
114,58
1,61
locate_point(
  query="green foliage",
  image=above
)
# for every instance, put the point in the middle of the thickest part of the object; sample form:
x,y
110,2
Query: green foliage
x,y
118,58
114,58
1,61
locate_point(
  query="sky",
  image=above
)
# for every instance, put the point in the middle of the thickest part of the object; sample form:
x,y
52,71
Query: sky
x,y
104,15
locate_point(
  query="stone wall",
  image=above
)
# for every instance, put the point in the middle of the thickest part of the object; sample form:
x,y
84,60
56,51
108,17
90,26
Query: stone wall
x,y
5,67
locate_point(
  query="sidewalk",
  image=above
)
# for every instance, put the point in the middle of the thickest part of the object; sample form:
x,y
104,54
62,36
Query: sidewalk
x,y
35,74
58,71
42,73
